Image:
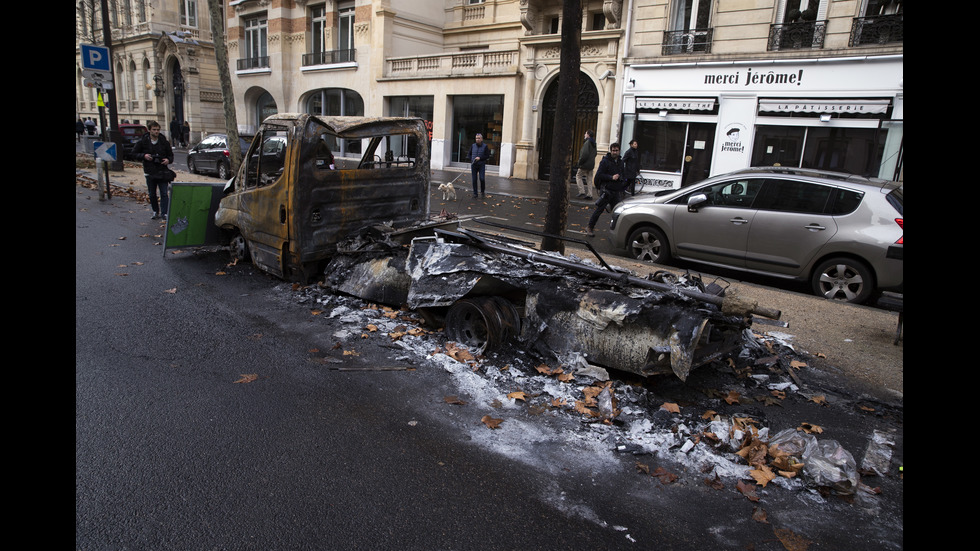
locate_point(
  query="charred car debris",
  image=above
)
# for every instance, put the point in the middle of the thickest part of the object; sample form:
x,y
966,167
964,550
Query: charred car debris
x,y
303,206
345,201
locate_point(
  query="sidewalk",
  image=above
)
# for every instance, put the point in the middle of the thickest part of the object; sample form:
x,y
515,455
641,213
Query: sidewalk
x,y
498,185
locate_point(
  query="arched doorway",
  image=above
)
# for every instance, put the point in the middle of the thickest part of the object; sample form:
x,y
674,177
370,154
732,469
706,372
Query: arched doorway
x,y
177,78
586,118
265,107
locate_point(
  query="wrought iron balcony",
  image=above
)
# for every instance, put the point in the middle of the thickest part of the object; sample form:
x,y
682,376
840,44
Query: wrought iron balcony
x,y
253,63
879,29
329,57
687,42
797,36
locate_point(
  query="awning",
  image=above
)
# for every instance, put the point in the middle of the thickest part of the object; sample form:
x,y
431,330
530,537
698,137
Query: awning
x,y
859,106
694,104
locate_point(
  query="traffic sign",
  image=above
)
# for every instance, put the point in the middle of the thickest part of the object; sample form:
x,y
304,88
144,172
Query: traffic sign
x,y
105,150
97,75
95,58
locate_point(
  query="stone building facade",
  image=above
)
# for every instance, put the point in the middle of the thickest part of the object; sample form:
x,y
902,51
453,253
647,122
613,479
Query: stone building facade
x,y
163,63
705,86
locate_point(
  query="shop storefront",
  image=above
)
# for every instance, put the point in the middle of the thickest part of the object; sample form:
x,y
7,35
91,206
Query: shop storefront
x,y
699,120
472,115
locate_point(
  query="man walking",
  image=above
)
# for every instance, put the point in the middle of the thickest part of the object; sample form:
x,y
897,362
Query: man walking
x,y
155,152
586,162
479,153
611,177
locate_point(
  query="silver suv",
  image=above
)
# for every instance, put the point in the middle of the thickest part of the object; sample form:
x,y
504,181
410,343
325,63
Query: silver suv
x,y
842,233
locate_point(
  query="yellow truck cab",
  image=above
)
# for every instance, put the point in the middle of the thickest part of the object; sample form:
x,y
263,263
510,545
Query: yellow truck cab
x,y
308,181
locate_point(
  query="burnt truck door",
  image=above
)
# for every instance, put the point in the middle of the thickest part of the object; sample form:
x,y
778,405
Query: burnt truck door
x,y
337,196
263,194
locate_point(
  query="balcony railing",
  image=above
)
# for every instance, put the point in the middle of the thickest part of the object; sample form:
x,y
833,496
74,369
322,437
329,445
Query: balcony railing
x,y
329,57
687,42
457,64
253,63
880,29
797,36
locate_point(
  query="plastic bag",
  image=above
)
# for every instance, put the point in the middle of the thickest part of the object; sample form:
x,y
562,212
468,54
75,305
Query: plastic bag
x,y
829,464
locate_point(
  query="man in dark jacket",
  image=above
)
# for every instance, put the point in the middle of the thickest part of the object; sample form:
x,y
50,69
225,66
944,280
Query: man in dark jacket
x,y
631,160
479,154
611,178
157,156
586,162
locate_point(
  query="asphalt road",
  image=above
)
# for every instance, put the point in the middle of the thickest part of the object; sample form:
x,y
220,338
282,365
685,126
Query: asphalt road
x,y
178,447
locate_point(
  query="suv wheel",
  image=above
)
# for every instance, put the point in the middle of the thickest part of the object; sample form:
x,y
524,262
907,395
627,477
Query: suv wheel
x,y
648,243
224,171
843,279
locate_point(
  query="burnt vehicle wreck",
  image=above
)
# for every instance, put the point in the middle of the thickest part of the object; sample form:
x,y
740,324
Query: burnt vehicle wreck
x,y
301,207
489,291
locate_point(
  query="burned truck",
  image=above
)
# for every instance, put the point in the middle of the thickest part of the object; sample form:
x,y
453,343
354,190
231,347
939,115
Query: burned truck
x,y
345,201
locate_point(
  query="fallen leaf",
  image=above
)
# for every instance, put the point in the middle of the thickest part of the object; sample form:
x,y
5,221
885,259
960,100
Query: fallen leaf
x,y
221,273
517,395
747,490
371,327
171,291
558,402
248,378
453,400
791,540
759,515
351,353
810,428
714,483
664,476
822,400
645,469
762,475
671,407
797,364
732,397
491,422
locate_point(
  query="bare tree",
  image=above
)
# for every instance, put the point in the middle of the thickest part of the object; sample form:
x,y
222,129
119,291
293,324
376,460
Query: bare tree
x,y
561,152
224,75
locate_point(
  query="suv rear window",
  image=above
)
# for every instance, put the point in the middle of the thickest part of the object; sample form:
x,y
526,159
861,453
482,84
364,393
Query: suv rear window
x,y
845,201
895,199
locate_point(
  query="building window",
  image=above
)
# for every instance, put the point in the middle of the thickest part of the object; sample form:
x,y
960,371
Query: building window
x,y
852,150
690,28
404,146
318,30
188,13
256,53
345,26
474,115
801,24
882,23
338,102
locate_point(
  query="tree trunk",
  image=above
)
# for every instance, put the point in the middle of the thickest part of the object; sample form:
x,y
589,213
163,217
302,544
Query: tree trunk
x,y
224,75
562,141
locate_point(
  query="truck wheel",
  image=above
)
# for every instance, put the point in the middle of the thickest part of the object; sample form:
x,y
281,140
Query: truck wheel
x,y
239,249
482,323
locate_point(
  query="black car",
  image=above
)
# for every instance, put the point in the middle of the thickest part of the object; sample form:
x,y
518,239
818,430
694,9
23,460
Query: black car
x,y
131,134
212,155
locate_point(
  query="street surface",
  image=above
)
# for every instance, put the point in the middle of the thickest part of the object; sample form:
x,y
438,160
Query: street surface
x,y
220,408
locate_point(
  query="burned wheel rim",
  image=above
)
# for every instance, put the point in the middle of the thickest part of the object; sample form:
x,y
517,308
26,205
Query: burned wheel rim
x,y
482,323
648,244
843,279
239,248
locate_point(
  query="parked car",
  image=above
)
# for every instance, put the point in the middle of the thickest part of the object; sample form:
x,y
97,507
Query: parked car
x,y
131,134
213,155
841,233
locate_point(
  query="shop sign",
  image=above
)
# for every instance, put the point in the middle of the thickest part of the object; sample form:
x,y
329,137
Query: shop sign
x,y
693,104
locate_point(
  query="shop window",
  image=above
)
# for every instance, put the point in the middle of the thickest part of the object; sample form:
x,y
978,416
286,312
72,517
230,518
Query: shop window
x,y
474,115
404,147
851,150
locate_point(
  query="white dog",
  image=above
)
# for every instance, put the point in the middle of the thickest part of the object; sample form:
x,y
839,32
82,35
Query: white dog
x,y
448,191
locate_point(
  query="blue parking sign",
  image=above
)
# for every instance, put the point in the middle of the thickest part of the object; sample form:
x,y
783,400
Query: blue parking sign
x,y
95,58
